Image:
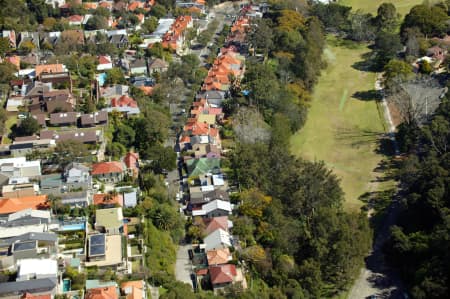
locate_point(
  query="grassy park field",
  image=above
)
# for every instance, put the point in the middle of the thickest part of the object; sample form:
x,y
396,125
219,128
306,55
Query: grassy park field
x,y
344,122
403,6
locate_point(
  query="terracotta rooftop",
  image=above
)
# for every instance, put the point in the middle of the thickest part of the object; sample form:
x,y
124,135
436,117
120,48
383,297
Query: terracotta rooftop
x,y
222,274
107,199
218,257
131,160
133,289
109,292
12,205
48,68
107,167
124,101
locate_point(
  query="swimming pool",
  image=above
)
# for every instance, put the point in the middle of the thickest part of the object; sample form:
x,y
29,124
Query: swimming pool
x,y
66,285
75,226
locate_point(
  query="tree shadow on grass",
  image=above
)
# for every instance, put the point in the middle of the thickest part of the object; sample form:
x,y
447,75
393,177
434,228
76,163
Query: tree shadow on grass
x,y
368,95
367,64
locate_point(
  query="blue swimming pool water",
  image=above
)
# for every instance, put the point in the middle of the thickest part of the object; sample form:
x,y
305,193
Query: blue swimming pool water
x,y
66,285
76,226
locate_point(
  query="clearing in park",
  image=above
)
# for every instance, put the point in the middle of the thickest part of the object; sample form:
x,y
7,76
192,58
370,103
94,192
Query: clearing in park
x,y
344,122
371,6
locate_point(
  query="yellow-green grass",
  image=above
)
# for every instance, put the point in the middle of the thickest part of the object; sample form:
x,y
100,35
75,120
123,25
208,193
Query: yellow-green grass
x,y
342,130
10,121
403,6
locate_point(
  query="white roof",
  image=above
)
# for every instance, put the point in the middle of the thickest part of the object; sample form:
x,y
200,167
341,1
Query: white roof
x,y
218,180
211,206
217,239
37,267
29,212
163,26
18,180
8,232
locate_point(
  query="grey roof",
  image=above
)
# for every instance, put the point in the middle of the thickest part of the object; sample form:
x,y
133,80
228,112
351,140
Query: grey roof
x,y
138,63
30,286
63,118
94,118
157,64
211,94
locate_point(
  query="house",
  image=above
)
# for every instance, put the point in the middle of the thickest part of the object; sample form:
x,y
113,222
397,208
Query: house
x,y
49,68
21,150
77,173
157,66
125,105
138,67
41,287
14,204
130,199
196,167
27,245
221,222
36,269
75,20
218,256
104,63
119,40
14,103
79,199
93,119
114,91
64,119
60,100
29,37
10,35
14,60
174,38
215,208
222,275
203,195
20,167
84,136
107,200
109,221
40,118
108,171
104,250
437,53
20,190
55,3
131,161
133,289
109,292
218,239
25,221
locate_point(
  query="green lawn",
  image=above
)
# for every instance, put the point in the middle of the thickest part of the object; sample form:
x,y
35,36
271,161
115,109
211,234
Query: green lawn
x,y
342,130
403,6
10,121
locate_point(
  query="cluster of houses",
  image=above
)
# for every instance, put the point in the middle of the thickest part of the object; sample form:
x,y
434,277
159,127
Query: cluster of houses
x,y
209,192
39,241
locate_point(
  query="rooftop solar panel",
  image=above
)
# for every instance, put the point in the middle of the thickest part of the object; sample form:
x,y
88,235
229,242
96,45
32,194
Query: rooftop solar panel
x,y
97,245
24,245
97,239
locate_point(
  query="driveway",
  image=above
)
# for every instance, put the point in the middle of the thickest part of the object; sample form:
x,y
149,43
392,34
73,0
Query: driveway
x,y
183,265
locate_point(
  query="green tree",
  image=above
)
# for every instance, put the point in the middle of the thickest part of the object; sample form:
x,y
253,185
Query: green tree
x,y
4,46
69,151
115,76
387,45
396,69
431,20
158,11
150,24
96,22
387,17
7,71
27,127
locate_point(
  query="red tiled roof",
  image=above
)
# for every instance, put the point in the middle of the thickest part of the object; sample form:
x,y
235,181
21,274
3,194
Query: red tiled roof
x,y
102,293
131,160
124,101
31,296
48,68
75,18
107,199
222,274
218,257
104,60
107,167
12,205
133,289
216,223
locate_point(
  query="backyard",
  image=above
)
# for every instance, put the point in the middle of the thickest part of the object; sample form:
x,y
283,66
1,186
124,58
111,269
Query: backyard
x,y
344,122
